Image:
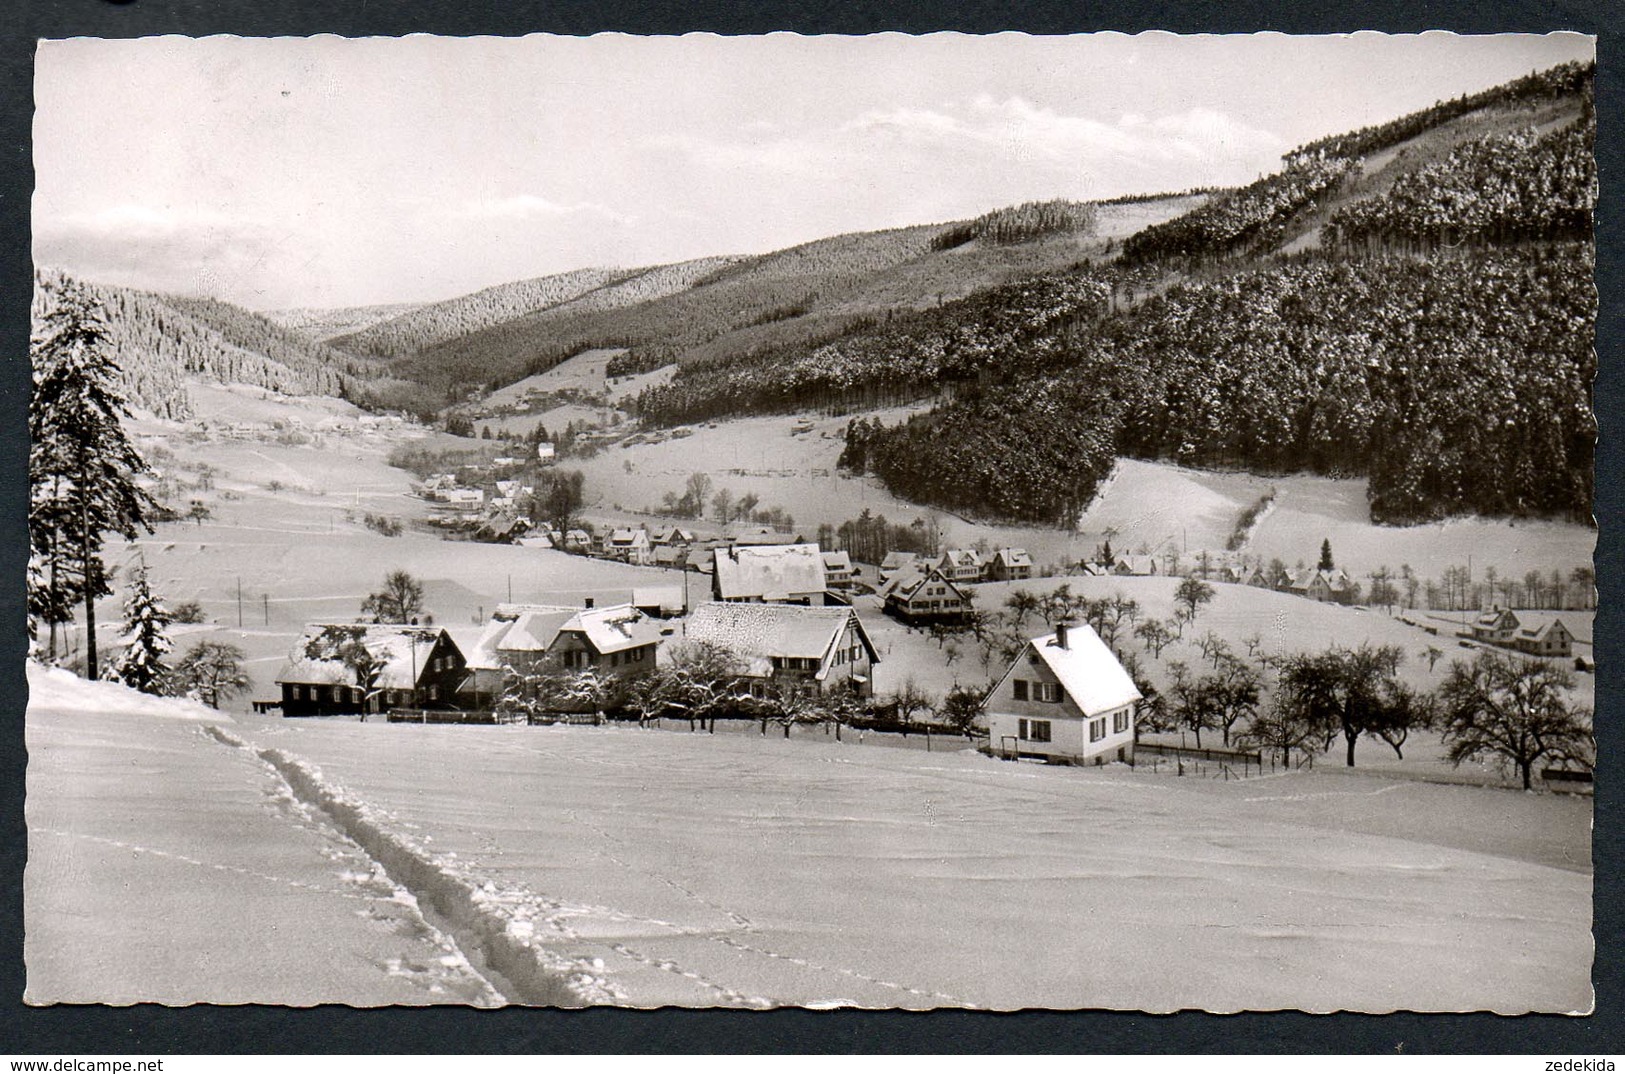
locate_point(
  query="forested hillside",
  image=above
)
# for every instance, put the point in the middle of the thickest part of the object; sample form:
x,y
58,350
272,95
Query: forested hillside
x,y
424,326
1433,331
161,340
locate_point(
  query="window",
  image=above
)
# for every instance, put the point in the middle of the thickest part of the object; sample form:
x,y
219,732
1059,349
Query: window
x,y
1020,688
1047,691
1097,729
434,693
1034,730
1120,722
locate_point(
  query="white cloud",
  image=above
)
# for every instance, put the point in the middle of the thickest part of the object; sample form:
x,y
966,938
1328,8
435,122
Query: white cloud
x,y
533,207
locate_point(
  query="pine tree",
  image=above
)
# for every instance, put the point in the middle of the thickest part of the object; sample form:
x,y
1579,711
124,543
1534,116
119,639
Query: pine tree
x,y
1326,555
81,465
141,667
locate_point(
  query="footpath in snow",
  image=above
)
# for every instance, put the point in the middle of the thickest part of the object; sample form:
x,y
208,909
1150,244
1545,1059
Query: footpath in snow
x,y
166,866
641,867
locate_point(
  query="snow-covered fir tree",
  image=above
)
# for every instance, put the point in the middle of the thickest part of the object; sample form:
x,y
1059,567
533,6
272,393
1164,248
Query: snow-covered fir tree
x,y
146,622
82,467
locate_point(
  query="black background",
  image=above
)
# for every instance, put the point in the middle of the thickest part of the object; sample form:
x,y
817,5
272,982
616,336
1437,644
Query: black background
x,y
150,1029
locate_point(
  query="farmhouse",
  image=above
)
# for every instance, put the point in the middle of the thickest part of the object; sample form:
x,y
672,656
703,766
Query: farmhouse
x,y
1497,626
461,497
578,541
1553,639
337,668
780,574
922,596
961,565
820,648
1065,700
1331,586
1010,565
543,637
667,536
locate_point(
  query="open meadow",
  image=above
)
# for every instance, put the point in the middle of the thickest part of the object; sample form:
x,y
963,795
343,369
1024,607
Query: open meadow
x,y
652,867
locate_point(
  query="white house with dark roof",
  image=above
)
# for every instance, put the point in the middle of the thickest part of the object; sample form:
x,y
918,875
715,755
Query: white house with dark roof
x,y
1065,700
774,574
338,668
822,648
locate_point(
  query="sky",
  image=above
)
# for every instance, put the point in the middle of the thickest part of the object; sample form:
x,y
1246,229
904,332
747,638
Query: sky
x,y
327,172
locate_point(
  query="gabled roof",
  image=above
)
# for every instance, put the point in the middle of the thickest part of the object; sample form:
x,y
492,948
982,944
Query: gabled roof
x,y
904,586
627,536
1087,670
1136,564
664,597
318,657
613,629
837,561
518,629
1336,580
1493,617
1014,557
1539,633
770,573
896,561
961,557
759,632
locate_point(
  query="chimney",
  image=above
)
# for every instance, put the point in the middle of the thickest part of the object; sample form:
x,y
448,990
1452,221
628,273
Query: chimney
x,y
587,603
1060,635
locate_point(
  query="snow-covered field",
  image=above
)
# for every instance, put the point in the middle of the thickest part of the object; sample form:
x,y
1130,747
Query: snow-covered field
x,y
311,861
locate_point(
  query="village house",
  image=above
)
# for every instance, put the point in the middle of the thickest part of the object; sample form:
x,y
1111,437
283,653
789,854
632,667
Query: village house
x,y
1135,566
1065,700
757,535
578,541
896,562
545,452
342,668
1331,586
961,565
838,571
539,638
671,536
924,595
775,574
466,498
629,546
1010,565
1498,626
1551,639
660,601
823,649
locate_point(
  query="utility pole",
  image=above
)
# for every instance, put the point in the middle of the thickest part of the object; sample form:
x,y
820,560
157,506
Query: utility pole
x,y
239,602
266,597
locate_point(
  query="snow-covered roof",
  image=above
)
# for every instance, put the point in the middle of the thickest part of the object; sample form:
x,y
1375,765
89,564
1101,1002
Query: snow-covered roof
x,y
1088,671
897,560
1014,557
774,572
962,557
1539,633
905,585
518,628
1493,617
613,629
318,656
628,537
837,561
664,597
759,632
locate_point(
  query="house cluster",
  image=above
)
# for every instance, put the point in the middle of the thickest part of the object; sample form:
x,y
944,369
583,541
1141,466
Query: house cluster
x,y
1500,626
349,668
924,588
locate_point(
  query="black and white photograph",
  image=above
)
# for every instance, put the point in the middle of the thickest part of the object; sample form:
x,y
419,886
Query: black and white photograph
x,y
898,522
